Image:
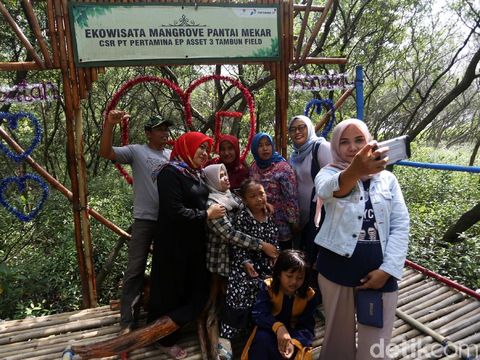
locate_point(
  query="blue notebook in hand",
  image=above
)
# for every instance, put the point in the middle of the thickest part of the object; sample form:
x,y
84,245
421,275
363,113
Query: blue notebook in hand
x,y
369,306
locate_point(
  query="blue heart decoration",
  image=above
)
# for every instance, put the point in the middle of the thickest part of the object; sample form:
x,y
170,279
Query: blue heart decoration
x,y
317,106
12,123
21,183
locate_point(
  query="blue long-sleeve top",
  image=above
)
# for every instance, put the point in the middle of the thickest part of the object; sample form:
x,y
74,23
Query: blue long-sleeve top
x,y
274,310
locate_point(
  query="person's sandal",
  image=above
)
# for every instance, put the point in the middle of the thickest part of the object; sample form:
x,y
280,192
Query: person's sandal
x,y
224,349
175,351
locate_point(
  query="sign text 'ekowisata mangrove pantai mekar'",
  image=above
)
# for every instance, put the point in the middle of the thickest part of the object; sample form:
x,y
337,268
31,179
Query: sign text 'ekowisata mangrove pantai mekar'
x,y
114,34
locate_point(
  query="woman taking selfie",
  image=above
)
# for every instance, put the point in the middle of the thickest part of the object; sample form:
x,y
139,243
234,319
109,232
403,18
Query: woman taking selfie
x,y
363,244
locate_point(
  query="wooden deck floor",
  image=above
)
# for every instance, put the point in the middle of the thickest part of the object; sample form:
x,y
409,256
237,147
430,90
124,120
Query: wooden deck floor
x,y
446,311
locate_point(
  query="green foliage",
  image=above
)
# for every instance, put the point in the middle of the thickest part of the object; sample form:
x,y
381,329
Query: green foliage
x,y
39,273
266,52
83,13
436,199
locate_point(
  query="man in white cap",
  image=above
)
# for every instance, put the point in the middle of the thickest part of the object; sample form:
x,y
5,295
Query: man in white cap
x,y
144,159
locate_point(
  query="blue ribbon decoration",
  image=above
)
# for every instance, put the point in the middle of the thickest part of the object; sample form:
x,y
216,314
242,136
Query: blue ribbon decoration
x,y
317,104
12,122
21,183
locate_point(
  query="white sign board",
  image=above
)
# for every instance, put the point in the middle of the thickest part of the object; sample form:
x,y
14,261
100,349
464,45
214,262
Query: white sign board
x,y
123,34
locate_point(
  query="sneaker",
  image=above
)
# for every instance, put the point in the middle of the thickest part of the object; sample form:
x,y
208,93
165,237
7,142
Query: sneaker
x,y
224,349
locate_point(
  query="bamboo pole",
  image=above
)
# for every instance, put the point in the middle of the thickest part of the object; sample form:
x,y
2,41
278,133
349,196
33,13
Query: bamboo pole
x,y
52,33
12,325
68,43
23,39
88,80
82,182
61,328
306,8
433,319
325,60
69,94
52,351
445,302
49,351
418,294
93,76
443,279
461,323
289,40
316,30
287,56
82,82
338,104
420,286
410,280
19,66
43,322
27,5
427,300
436,336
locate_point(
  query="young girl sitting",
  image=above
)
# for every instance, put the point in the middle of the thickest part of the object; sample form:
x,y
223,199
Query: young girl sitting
x,y
283,312
248,268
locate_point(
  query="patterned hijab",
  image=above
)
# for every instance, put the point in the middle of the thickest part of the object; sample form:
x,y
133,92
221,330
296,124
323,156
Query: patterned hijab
x,y
300,152
225,198
263,164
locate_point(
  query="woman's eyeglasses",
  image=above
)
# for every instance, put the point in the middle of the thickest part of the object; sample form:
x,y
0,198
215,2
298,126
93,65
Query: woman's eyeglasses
x,y
299,128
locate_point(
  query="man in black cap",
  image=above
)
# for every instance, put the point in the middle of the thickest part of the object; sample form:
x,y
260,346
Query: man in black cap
x,y
143,158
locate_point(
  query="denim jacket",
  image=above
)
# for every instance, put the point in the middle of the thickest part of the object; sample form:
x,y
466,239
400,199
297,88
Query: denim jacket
x,y
344,216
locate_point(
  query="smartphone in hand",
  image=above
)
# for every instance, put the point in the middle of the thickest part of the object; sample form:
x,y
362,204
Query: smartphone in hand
x,y
399,148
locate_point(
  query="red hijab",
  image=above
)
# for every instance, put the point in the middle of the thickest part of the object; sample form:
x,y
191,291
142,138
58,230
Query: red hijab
x,y
187,144
237,171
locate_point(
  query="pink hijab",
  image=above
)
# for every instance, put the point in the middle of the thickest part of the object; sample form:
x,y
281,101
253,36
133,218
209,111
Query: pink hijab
x,y
336,136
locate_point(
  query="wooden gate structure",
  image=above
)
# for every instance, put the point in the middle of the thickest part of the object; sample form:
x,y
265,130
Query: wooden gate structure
x,y
53,50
